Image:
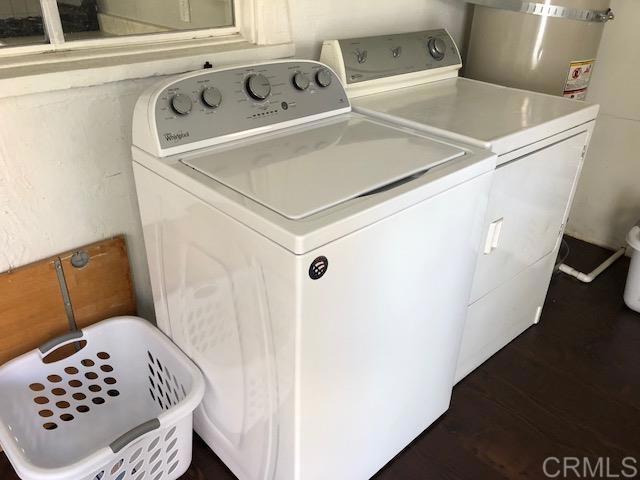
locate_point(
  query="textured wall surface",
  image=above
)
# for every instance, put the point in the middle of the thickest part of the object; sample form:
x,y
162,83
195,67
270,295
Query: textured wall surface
x,y
607,202
66,177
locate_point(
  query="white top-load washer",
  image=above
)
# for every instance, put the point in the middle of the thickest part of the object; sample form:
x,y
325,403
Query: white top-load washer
x,y
315,263
412,79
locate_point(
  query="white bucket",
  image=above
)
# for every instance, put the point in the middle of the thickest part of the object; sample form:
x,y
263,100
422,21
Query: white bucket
x,y
632,290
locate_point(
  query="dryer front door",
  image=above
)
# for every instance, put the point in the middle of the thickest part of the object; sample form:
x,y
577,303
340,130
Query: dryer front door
x,y
528,205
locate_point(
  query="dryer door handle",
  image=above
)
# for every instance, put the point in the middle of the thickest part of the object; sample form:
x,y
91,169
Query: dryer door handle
x,y
493,236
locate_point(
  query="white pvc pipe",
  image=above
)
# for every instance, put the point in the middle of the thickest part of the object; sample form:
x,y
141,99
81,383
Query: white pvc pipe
x,y
590,277
632,288
633,238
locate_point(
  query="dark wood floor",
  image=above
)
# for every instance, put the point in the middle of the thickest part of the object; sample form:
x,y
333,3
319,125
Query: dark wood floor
x,y
569,386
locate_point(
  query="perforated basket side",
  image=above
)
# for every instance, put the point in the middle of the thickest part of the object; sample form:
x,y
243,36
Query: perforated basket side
x,y
161,455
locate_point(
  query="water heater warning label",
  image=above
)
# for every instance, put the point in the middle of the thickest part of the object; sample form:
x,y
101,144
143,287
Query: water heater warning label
x,y
578,79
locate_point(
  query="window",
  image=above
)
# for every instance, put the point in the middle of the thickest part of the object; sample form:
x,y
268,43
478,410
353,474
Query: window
x,y
20,23
45,25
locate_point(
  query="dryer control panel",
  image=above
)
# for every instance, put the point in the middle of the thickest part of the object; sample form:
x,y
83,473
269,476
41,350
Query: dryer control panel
x,y
212,106
367,59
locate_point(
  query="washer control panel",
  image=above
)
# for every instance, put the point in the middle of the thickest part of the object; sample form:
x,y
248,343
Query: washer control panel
x,y
371,58
216,103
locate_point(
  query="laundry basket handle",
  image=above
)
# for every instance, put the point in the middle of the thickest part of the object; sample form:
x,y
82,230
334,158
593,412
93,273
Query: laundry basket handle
x,y
125,439
54,343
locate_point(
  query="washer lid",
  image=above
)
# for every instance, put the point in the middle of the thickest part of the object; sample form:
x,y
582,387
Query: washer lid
x,y
323,165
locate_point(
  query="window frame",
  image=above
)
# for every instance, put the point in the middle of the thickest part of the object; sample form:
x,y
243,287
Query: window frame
x,y
264,33
54,40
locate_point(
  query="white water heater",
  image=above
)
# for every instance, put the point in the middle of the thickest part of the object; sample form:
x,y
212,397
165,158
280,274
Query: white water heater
x,y
547,46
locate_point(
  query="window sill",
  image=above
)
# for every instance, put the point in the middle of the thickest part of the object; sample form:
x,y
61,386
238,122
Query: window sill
x,y
43,72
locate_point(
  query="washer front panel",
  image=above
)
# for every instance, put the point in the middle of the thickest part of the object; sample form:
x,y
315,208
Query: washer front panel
x,y
239,110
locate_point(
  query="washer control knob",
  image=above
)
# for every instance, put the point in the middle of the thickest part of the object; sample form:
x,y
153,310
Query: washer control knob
x,y
300,81
437,48
181,103
323,77
258,86
211,97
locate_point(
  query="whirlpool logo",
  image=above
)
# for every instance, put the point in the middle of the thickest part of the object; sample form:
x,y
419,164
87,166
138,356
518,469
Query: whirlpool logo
x,y
175,136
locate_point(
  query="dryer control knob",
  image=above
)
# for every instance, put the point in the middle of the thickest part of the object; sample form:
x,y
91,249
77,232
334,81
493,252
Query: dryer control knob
x,y
211,97
258,86
300,81
323,77
437,48
181,104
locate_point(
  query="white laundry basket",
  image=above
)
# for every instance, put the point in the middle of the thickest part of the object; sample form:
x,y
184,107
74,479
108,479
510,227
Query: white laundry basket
x,y
632,290
119,408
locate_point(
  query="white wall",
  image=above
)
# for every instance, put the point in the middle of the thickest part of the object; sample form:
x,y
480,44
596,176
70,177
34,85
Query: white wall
x,y
316,20
607,202
65,168
65,175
